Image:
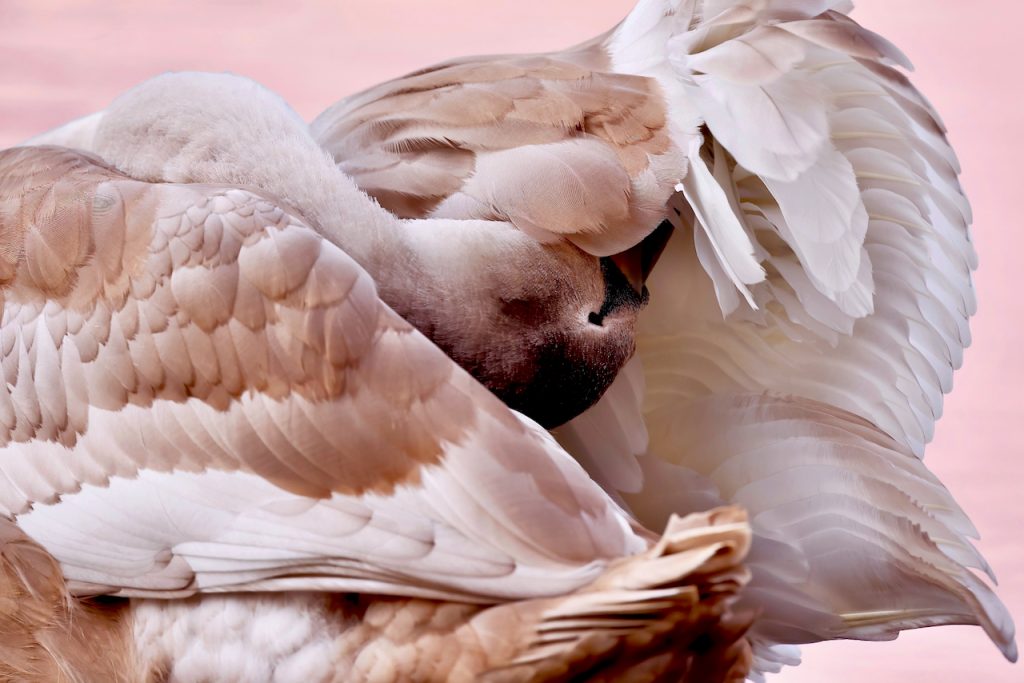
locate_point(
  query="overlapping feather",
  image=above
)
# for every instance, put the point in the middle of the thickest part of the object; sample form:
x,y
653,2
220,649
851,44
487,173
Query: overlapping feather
x,y
837,174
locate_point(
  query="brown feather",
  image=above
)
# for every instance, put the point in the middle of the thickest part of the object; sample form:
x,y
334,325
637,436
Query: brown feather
x,y
667,615
292,321
46,636
398,141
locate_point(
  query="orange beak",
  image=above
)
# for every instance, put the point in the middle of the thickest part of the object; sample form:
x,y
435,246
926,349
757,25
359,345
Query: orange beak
x,y
636,263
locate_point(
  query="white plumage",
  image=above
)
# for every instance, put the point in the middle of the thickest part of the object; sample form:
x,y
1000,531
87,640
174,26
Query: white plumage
x,y
842,176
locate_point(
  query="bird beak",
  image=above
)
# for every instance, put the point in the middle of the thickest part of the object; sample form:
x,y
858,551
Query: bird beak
x,y
636,263
630,264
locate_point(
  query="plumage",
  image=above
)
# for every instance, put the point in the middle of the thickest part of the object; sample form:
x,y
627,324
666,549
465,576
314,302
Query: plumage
x,y
365,638
820,189
312,368
45,635
236,381
237,325
557,134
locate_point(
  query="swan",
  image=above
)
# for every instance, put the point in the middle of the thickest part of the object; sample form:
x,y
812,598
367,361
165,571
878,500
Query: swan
x,y
208,395
721,251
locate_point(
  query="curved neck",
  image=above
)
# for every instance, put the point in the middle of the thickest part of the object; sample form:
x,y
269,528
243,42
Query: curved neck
x,y
224,129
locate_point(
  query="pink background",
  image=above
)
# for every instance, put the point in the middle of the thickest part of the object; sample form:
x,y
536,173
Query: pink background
x,y
64,58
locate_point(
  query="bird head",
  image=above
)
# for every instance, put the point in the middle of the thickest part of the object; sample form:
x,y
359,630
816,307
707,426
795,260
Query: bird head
x,y
545,326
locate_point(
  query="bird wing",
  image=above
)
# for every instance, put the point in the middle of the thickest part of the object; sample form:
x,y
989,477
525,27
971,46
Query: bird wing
x,y
847,195
789,135
854,537
204,394
822,258
556,145
814,159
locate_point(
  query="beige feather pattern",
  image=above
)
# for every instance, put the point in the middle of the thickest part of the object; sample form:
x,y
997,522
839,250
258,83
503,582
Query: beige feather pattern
x,y
667,614
811,179
637,622
558,146
817,184
202,399
218,341
884,350
45,635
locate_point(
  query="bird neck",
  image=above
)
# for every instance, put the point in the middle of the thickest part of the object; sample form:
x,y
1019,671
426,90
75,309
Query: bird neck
x,y
332,203
222,129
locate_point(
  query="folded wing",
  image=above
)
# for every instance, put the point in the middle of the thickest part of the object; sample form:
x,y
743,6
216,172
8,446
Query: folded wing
x,y
557,145
204,394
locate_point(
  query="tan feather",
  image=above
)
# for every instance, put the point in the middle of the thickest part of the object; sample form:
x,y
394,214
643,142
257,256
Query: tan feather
x,y
45,635
665,615
503,124
315,370
826,170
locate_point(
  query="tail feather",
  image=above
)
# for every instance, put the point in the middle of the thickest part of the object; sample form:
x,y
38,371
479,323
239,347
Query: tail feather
x,y
666,614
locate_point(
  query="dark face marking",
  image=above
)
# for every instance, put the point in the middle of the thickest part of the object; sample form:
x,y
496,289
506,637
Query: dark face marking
x,y
573,373
618,293
568,376
546,327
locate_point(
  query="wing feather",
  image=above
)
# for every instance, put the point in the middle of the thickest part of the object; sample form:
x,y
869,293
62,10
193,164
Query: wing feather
x,y
557,145
849,500
225,403
840,178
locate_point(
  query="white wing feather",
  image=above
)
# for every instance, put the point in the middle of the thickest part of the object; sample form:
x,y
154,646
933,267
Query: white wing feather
x,y
843,183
